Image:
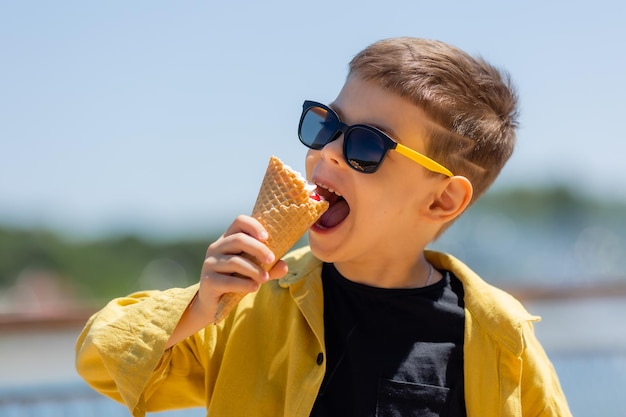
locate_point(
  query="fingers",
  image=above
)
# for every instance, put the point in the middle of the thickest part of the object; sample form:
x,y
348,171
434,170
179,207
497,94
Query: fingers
x,y
230,264
248,225
236,273
244,235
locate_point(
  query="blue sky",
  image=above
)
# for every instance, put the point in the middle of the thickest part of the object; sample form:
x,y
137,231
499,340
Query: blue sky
x,y
160,117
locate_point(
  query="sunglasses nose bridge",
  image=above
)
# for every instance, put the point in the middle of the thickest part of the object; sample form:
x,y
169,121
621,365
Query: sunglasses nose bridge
x,y
343,130
340,130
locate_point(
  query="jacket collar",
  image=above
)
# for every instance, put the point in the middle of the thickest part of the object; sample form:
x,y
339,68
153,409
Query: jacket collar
x,y
304,281
497,312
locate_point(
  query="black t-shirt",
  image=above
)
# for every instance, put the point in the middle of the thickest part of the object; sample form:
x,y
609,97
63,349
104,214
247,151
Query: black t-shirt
x,y
392,352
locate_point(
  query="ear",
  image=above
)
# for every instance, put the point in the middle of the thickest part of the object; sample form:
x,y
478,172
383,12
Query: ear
x,y
451,199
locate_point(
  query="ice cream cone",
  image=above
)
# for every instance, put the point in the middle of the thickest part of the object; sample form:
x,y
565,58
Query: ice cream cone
x,y
286,209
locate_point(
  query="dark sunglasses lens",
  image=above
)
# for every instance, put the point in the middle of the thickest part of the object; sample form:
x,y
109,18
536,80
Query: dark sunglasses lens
x,y
364,149
317,127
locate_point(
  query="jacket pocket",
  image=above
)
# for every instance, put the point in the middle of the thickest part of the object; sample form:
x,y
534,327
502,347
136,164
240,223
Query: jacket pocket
x,y
407,399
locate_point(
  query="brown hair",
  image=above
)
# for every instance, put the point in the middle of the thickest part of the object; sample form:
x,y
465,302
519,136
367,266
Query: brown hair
x,y
473,104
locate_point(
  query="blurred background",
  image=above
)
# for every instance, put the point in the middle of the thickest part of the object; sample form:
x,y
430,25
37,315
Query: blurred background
x,y
132,133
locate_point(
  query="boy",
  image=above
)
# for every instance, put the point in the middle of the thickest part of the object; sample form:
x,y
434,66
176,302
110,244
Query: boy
x,y
365,322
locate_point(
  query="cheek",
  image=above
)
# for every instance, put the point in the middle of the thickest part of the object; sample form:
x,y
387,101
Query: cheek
x,y
399,198
310,161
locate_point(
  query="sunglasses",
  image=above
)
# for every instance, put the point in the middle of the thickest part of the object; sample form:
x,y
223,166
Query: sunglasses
x,y
364,147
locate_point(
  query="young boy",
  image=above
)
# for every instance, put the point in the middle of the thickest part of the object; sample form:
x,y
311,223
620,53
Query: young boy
x,y
365,322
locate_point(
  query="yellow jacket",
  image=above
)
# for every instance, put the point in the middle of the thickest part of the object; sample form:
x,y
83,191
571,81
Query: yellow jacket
x,y
268,357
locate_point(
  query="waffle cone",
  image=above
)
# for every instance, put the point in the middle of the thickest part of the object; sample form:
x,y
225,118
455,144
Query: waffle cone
x,y
286,210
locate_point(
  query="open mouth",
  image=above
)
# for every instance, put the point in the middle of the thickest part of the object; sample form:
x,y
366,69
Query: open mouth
x,y
338,208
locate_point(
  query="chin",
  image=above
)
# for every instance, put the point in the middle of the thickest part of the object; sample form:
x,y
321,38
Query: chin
x,y
320,251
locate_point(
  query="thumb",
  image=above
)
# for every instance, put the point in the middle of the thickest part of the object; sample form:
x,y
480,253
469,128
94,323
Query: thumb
x,y
279,270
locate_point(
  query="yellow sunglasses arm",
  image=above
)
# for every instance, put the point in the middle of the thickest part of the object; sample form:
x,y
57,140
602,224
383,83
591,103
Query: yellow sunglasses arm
x,y
423,160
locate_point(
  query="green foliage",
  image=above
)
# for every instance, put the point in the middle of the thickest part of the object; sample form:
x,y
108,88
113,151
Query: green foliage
x,y
104,268
97,269
552,206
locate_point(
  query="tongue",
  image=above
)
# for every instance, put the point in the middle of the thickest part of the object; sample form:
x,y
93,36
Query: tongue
x,y
335,214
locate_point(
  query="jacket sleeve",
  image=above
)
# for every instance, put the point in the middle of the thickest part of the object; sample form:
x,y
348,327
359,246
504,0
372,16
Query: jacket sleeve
x,y
120,352
541,391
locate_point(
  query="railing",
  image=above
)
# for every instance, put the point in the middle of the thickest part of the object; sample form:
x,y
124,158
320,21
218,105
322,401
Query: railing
x,y
583,330
593,383
68,400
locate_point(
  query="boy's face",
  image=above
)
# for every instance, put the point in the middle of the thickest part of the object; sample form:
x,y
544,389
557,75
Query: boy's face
x,y
379,217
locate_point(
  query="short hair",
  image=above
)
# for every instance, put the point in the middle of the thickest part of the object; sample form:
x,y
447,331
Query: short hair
x,y
473,104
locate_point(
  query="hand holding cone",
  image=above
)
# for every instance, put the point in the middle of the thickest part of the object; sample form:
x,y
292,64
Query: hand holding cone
x,y
286,209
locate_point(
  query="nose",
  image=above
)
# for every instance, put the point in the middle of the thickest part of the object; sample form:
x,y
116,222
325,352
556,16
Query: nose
x,y
333,150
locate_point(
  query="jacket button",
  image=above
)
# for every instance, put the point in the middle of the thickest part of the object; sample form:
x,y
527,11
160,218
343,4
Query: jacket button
x,y
320,358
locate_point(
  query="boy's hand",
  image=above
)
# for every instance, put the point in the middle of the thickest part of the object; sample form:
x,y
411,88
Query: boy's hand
x,y
226,269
